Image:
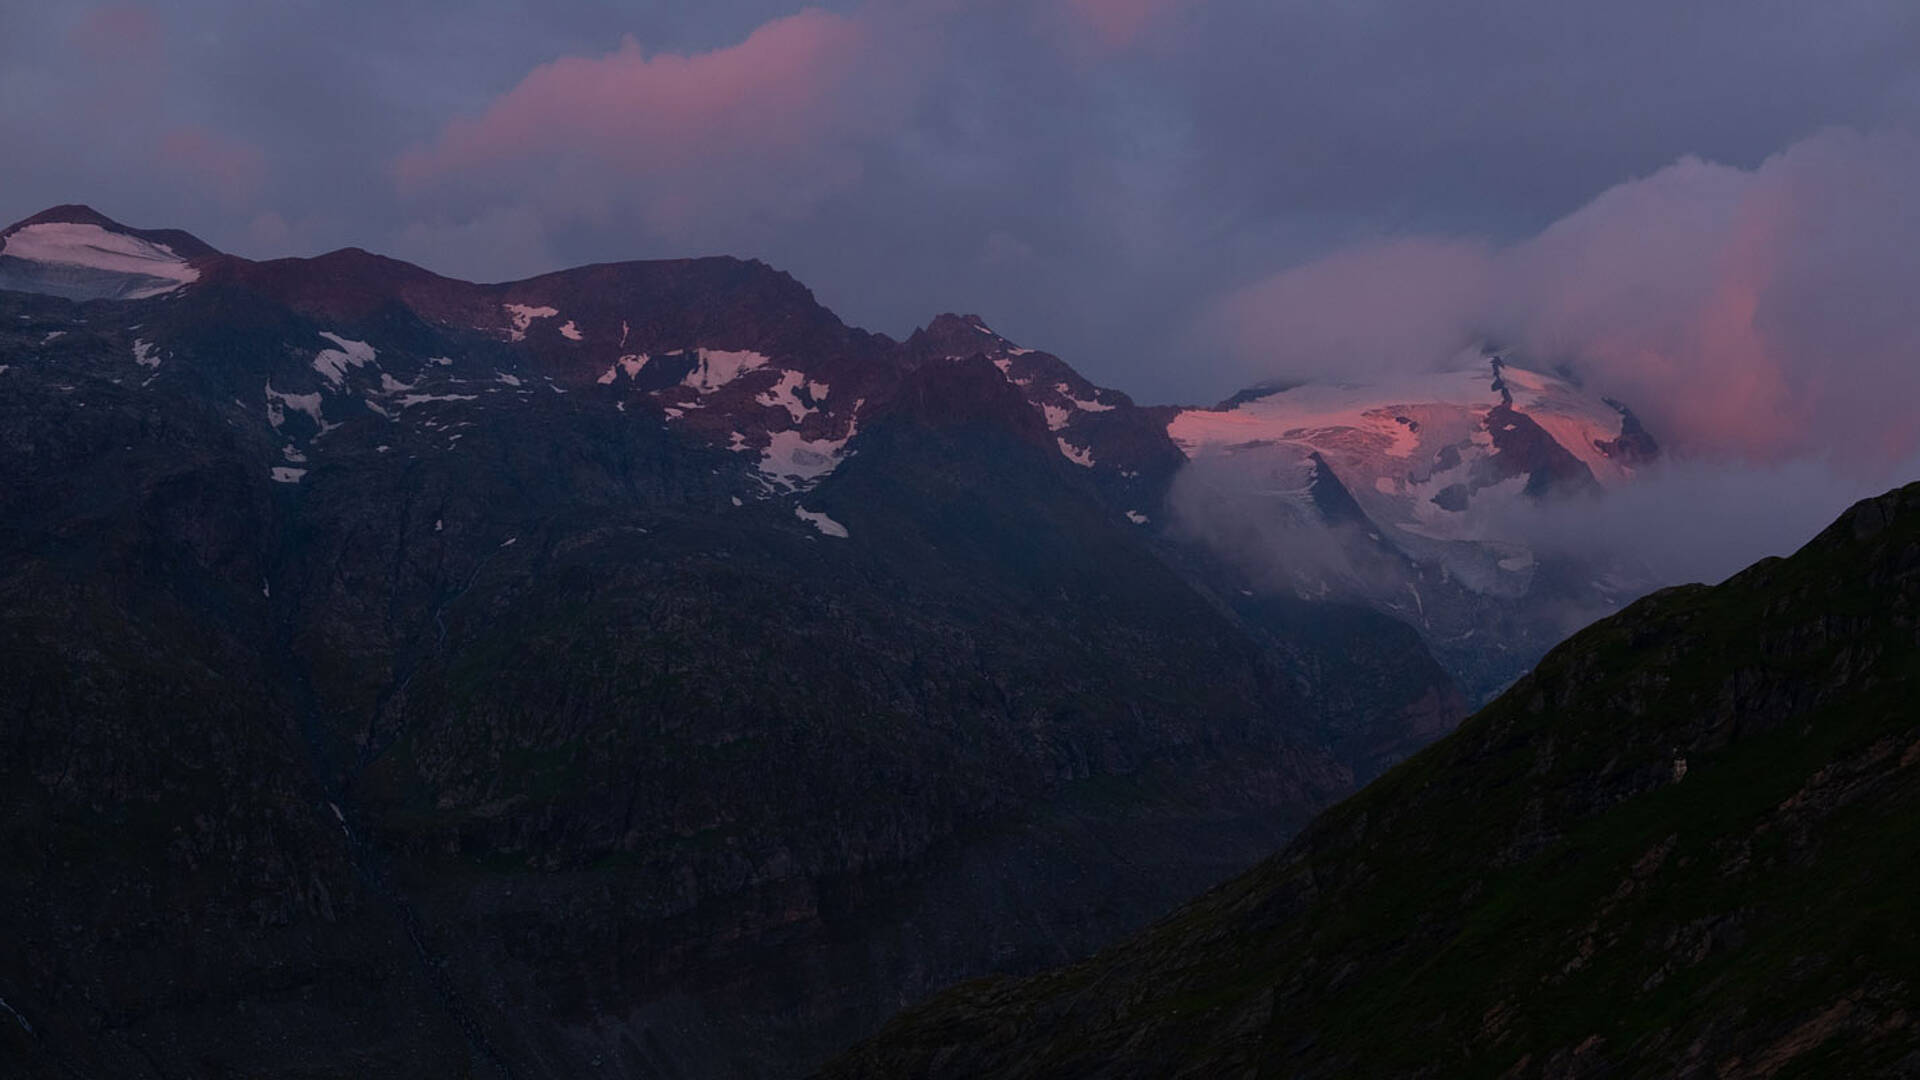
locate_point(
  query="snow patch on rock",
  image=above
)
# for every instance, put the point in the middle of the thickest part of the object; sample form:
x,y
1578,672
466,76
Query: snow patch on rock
x,y
794,393
826,525
630,365
523,316
718,367
278,404
332,364
411,400
796,462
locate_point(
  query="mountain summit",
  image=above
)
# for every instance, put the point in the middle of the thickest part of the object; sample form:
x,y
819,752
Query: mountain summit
x,y
1399,495
1410,494
79,253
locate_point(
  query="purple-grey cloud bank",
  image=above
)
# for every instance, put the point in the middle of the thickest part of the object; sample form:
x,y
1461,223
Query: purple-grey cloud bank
x,y
1101,178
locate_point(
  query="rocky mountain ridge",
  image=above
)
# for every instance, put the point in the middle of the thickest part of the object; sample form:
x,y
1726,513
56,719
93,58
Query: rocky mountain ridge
x,y
630,670
1681,846
1401,496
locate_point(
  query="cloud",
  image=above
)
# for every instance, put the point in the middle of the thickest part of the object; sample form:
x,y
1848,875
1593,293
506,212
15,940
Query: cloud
x,y
1227,502
1359,313
1700,520
233,169
121,54
1764,314
1143,157
767,126
1116,25
1761,315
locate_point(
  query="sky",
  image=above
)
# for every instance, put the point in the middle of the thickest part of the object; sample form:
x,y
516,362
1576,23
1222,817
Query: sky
x,y
1706,207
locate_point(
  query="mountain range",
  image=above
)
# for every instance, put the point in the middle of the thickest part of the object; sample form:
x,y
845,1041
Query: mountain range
x,y
635,669
629,669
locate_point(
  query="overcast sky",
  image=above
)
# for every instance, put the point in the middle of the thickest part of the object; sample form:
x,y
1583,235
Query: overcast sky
x,y
1137,185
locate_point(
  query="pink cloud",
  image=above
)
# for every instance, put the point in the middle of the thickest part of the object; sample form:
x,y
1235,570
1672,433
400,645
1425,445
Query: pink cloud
x,y
767,124
1761,315
122,68
229,168
1116,25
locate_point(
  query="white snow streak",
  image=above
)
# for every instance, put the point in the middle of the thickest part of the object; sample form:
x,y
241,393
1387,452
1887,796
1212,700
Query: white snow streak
x,y
826,525
1079,455
411,400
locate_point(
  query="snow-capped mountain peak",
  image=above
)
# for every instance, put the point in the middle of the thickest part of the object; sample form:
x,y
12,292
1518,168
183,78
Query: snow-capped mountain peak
x,y
78,253
1413,494
1480,424
1401,495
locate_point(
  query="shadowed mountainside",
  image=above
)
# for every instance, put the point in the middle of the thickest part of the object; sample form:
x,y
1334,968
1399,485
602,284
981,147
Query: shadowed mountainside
x,y
1683,846
632,670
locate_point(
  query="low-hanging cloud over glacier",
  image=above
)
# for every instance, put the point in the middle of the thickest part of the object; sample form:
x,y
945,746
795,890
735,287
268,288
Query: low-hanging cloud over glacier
x,y
1761,315
1698,520
1759,321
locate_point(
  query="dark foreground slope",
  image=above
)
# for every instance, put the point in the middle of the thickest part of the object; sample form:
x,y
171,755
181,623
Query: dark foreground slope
x,y
1687,845
634,671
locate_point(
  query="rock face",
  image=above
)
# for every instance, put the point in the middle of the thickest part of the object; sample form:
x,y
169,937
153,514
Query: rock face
x,y
630,671
1682,846
1413,496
